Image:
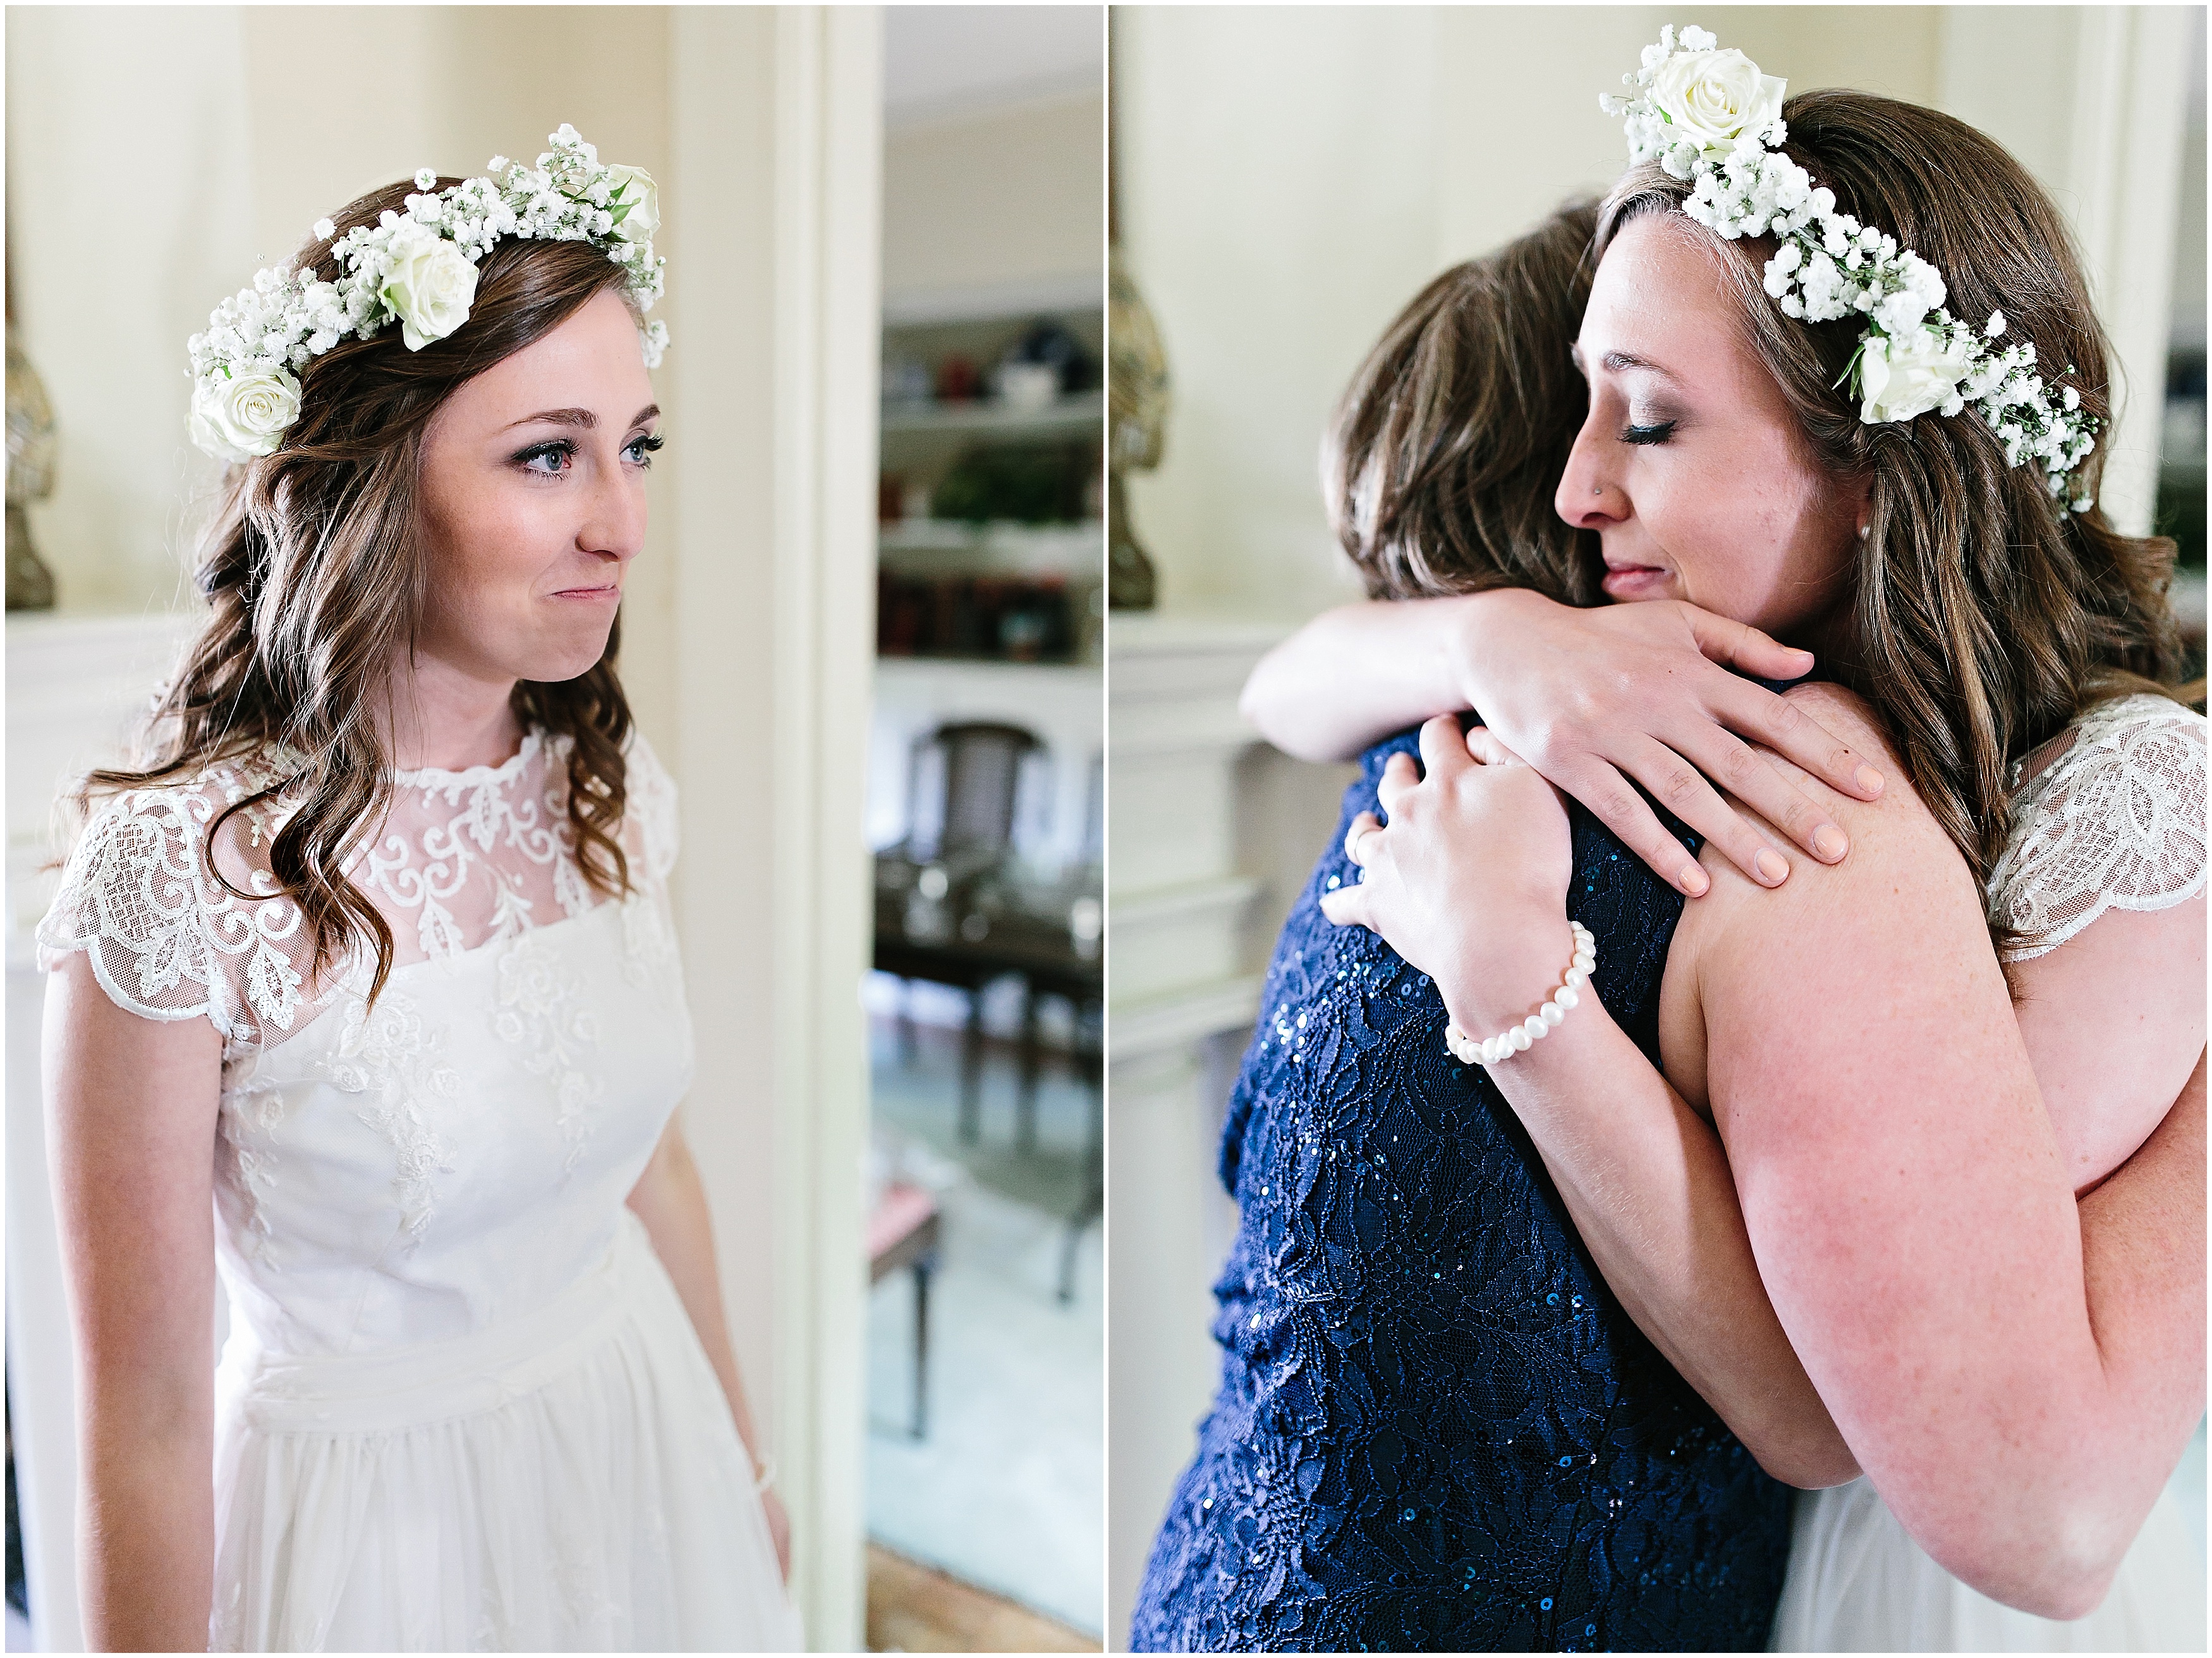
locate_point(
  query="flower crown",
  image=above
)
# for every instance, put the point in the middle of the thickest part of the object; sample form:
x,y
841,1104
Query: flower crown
x,y
418,269
1710,116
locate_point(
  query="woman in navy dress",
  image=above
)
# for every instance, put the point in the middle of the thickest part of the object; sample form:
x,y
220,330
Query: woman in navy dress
x,y
1436,1430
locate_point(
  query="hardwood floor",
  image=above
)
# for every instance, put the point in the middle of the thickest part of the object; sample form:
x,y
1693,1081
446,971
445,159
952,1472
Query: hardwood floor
x,y
916,1608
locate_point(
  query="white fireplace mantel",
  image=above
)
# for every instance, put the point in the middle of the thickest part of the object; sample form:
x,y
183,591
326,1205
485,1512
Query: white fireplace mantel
x,y
1181,893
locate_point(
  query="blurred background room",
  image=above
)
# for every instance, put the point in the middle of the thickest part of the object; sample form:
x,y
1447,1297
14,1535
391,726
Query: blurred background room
x,y
986,1335
853,203
1285,178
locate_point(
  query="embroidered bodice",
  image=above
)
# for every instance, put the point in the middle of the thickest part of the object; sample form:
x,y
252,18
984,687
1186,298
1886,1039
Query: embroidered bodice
x,y
1436,1430
2115,822
458,1152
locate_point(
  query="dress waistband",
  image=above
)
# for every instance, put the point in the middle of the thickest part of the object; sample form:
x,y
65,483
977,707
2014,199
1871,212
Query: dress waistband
x,y
409,1387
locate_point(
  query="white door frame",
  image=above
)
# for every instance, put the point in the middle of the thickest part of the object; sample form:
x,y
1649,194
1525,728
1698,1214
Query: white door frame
x,y
775,141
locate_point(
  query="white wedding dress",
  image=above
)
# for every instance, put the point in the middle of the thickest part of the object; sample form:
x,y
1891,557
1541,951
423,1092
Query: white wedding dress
x,y
461,1407
2116,822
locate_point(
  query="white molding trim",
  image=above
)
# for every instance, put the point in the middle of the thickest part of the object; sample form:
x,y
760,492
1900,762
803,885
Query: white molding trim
x,y
829,148
777,156
1160,1024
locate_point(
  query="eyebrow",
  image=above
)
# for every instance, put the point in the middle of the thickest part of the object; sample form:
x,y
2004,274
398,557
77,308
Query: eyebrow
x,y
583,418
1618,362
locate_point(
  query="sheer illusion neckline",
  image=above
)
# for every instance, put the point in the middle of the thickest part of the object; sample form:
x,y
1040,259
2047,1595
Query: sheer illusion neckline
x,y
473,776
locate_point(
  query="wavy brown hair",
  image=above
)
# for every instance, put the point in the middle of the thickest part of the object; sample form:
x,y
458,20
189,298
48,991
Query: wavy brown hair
x,y
1439,466
315,574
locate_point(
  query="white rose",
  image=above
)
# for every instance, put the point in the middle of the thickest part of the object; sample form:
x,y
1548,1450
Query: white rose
x,y
636,187
1710,99
238,415
1908,375
429,288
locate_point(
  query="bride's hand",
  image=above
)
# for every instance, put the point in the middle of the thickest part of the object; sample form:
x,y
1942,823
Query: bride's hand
x,y
778,1528
1593,698
1468,882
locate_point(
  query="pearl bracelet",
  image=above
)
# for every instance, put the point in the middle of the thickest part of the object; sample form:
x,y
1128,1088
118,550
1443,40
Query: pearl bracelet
x,y
1467,1051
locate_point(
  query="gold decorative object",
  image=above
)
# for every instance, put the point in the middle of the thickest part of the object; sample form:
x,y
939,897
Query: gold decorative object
x,y
1137,418
31,446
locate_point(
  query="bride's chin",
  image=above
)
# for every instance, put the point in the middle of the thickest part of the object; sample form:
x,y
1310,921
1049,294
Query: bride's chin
x,y
567,659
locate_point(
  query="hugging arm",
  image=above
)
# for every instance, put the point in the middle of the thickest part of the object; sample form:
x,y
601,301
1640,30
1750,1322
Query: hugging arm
x,y
1596,700
131,1108
2017,1374
2015,1392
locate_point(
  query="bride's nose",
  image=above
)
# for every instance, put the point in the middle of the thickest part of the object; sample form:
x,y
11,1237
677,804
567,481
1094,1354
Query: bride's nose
x,y
1589,496
614,524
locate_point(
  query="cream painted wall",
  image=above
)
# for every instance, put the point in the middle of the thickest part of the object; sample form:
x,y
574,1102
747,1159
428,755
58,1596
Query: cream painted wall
x,y
129,213
1015,195
1289,177
1276,175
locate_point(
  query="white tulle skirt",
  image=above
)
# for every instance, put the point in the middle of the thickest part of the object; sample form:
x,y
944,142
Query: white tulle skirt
x,y
1858,1583
568,1481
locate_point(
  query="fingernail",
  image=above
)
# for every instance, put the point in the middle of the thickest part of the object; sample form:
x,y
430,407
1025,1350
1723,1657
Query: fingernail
x,y
1828,840
1770,868
1869,779
1695,880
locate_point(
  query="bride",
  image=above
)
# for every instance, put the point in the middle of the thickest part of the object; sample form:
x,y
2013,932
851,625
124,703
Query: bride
x,y
1890,1279
366,996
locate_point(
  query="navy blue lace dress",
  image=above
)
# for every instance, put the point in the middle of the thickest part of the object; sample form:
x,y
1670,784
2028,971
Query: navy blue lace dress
x,y
1436,1430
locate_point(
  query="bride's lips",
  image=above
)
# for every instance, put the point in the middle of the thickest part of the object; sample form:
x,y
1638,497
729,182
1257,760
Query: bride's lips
x,y
609,593
1635,581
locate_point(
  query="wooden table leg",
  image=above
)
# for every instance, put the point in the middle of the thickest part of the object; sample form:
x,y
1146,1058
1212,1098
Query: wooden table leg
x,y
1025,1119
921,1347
971,1070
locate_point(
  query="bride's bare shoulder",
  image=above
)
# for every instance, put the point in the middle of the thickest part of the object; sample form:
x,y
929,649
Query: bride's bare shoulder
x,y
1846,715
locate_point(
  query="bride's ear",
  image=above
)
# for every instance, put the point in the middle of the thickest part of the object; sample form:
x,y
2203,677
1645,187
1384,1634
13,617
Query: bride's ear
x,y
1858,502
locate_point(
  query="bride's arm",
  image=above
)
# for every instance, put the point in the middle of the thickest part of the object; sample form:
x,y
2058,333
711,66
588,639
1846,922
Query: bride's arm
x,y
132,1107
671,1200
1913,1217
1592,699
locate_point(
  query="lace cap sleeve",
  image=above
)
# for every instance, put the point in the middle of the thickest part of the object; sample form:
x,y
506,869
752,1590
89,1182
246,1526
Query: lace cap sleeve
x,y
651,809
165,940
2116,822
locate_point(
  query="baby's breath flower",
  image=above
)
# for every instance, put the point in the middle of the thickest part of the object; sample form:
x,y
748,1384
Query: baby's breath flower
x,y
1710,119
417,270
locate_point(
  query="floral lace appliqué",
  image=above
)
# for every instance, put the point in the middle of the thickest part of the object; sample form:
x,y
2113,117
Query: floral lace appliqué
x,y
390,1052
542,1012
2116,822
246,1158
168,939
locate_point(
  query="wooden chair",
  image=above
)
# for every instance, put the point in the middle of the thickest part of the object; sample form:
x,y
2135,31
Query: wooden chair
x,y
977,783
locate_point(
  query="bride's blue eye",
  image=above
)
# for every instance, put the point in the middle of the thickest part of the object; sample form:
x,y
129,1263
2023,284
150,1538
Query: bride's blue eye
x,y
639,451
548,460
1659,432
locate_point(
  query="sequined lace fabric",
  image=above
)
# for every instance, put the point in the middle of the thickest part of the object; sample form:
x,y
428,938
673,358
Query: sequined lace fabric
x,y
2115,822
1436,1430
